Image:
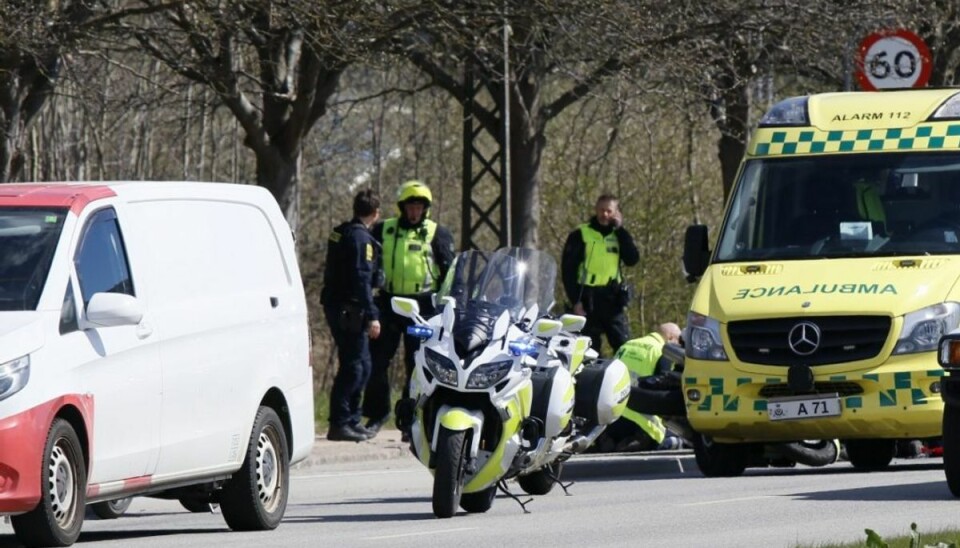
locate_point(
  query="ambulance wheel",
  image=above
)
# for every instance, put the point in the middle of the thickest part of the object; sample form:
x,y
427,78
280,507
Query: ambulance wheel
x,y
57,519
540,482
479,502
870,455
951,447
448,477
112,509
717,460
255,498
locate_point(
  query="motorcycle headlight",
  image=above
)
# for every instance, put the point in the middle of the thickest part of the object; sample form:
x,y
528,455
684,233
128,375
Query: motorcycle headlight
x,y
703,340
922,329
441,367
14,376
489,374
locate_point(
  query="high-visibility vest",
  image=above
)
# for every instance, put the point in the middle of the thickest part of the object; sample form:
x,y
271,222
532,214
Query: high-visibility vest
x,y
641,356
601,257
408,264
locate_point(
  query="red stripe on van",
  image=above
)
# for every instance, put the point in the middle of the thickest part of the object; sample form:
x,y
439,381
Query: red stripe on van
x,y
139,482
72,196
22,440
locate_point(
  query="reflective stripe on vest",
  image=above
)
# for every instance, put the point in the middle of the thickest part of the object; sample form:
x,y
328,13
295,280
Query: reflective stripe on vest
x,y
408,264
601,258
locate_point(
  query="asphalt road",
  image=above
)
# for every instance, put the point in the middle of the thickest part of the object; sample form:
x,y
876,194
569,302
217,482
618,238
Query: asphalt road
x,y
624,500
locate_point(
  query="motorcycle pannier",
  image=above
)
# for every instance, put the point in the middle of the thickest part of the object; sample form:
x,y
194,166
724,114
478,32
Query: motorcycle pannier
x,y
603,387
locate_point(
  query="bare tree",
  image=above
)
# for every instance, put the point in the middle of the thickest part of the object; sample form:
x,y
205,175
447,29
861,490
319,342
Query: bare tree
x,y
273,63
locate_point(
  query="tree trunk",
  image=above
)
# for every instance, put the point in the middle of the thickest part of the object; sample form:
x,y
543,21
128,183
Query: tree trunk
x,y
525,158
281,176
734,126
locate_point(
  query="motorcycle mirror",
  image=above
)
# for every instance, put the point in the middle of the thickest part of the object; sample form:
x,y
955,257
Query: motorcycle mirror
x,y
530,314
501,326
573,323
546,328
402,306
447,302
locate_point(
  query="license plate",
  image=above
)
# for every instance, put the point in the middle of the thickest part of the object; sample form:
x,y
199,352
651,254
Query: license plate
x,y
803,407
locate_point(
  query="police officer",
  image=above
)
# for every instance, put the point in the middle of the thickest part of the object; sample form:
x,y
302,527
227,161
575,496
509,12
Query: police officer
x,y
592,279
416,255
347,297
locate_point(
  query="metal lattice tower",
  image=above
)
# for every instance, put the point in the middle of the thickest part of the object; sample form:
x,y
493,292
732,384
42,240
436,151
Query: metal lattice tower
x,y
484,165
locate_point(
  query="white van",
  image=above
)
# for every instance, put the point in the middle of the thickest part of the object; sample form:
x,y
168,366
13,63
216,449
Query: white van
x,y
153,341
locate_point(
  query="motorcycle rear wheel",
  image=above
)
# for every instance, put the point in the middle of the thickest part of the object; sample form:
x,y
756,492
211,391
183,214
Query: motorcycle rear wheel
x,y
479,502
448,477
540,482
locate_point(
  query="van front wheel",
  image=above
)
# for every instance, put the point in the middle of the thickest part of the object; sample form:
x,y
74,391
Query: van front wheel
x,y
951,447
57,519
255,498
871,455
719,459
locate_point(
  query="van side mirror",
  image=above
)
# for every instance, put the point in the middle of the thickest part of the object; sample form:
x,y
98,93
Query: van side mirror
x,y
573,323
696,253
546,328
111,309
402,306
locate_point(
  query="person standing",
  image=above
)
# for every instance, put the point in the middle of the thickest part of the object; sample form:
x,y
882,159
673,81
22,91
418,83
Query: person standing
x,y
416,255
592,280
349,277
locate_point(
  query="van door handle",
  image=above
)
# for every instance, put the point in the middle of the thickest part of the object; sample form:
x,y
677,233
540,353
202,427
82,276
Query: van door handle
x,y
144,330
274,302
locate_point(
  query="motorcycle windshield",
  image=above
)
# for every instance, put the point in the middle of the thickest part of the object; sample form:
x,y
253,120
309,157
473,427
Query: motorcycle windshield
x,y
512,279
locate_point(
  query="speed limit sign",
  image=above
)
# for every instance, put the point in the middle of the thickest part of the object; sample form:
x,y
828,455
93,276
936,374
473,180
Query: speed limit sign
x,y
893,59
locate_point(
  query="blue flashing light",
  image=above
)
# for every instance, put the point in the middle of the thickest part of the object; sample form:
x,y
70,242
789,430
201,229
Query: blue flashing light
x,y
420,331
789,112
522,348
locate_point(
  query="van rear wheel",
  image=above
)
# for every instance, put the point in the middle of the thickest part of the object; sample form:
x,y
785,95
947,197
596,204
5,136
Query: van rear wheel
x,y
870,455
112,509
255,498
57,519
719,459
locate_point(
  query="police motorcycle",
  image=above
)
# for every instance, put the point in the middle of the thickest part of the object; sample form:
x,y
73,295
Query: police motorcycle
x,y
500,389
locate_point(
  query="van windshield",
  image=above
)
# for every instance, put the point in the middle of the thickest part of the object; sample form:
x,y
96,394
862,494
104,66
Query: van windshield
x,y
853,205
28,238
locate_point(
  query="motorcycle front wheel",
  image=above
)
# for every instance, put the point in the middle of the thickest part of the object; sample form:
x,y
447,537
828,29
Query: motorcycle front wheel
x,y
448,477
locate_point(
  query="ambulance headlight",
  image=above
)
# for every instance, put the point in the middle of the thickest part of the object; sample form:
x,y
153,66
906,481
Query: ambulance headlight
x,y
702,339
922,329
441,367
489,374
14,376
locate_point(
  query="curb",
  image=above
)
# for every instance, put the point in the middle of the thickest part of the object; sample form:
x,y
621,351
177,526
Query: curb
x,y
388,447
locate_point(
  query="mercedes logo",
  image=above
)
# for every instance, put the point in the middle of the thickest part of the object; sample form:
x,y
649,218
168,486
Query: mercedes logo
x,y
804,338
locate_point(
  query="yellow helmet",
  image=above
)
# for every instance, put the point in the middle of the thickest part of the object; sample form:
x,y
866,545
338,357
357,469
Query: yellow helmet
x,y
413,190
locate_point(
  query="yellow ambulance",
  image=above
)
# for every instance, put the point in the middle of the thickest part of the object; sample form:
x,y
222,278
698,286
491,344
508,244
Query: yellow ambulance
x,y
836,270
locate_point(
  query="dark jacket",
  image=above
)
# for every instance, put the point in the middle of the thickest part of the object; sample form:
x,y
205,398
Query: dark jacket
x,y
574,254
353,257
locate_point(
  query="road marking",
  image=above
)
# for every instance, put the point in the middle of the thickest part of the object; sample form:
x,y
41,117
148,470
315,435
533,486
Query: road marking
x,y
729,500
422,533
354,474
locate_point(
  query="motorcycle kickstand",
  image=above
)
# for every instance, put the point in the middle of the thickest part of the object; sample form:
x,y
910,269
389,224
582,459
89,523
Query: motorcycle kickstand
x,y
556,479
502,484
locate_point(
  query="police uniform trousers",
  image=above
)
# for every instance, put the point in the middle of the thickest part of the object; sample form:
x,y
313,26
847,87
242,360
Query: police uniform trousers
x,y
393,328
605,316
353,352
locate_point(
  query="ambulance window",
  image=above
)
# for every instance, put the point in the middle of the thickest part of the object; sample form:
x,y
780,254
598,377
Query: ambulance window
x,y
101,261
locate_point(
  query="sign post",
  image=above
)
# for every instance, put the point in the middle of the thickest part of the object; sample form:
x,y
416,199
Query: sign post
x,y
892,59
